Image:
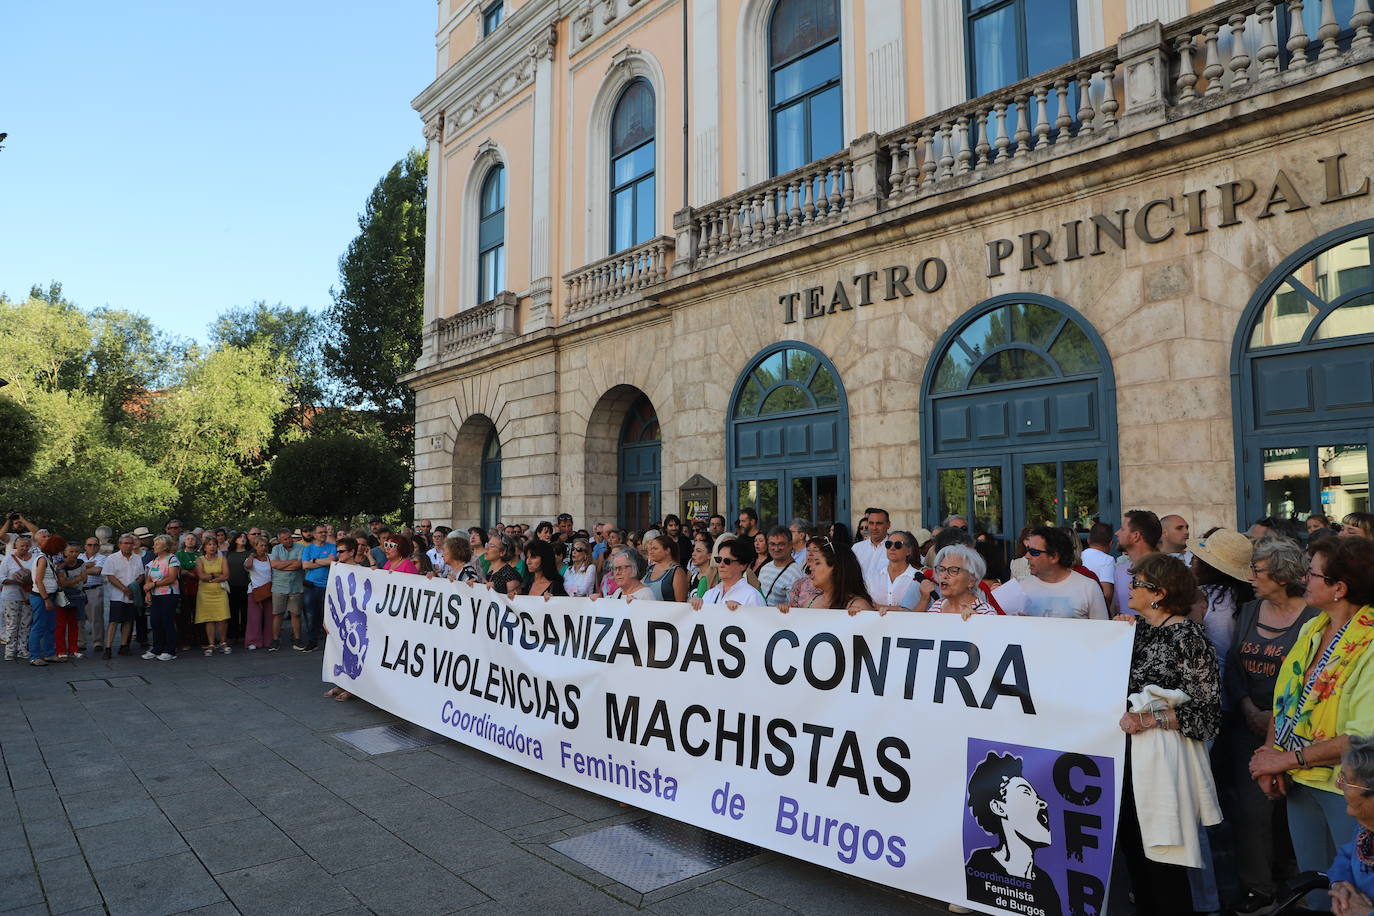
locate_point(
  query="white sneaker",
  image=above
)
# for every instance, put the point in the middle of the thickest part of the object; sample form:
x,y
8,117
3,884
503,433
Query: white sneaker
x,y
150,654
166,657
252,648
78,655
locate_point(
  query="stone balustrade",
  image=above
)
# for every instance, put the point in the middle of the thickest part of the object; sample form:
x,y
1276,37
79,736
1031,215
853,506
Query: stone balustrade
x,y
487,325
619,277
817,195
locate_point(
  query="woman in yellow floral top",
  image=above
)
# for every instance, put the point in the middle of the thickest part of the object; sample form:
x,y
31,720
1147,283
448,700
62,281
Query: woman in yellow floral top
x,y
1324,694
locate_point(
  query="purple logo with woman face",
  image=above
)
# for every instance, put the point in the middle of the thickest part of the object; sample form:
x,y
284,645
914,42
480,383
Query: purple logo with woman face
x,y
351,624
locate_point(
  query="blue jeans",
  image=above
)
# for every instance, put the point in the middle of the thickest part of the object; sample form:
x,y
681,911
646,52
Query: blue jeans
x,y
312,612
42,634
1319,825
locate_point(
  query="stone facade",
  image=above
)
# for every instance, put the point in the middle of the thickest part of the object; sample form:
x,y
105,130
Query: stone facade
x,y
1167,300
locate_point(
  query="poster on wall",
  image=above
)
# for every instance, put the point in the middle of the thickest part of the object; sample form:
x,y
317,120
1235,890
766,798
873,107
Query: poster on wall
x,y
964,760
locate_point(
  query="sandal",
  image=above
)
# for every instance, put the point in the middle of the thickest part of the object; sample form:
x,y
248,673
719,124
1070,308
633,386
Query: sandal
x,y
333,691
224,648
343,695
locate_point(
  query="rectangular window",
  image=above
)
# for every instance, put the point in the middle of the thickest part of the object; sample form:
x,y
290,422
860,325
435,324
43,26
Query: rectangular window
x,y
1009,40
491,17
1287,482
1344,474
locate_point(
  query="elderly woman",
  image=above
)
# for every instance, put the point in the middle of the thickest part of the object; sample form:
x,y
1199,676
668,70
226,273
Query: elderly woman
x,y
43,600
1170,652
16,575
458,563
1352,871
628,567
1264,633
958,570
1324,694
161,588
502,575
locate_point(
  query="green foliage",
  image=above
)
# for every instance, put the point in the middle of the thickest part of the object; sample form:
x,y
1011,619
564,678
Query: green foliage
x,y
107,486
335,475
21,438
293,337
378,312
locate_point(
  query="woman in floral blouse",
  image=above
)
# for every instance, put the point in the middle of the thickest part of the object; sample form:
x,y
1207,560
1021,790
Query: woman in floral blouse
x,y
1171,652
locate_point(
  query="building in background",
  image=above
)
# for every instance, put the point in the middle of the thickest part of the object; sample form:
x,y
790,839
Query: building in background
x,y
1023,261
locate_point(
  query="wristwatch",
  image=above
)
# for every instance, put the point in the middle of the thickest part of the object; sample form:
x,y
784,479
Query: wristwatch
x,y
1302,757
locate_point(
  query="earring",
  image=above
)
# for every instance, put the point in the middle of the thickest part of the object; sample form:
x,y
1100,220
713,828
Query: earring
x,y
1154,605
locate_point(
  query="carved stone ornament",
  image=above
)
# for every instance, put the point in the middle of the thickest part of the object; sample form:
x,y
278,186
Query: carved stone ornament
x,y
434,129
542,47
622,58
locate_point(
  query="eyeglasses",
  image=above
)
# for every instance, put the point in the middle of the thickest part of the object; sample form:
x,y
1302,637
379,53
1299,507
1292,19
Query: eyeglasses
x,y
896,545
1035,552
1141,583
622,569
1343,783
389,545
1309,574
1259,570
950,570
579,550
725,561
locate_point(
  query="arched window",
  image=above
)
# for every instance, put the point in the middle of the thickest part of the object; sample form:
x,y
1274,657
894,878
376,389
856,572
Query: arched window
x,y
1009,40
1018,420
788,445
805,103
1305,383
491,481
640,466
491,235
632,166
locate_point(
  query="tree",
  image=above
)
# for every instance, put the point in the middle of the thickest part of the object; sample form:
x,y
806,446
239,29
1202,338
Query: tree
x,y
378,312
292,336
20,441
129,356
337,475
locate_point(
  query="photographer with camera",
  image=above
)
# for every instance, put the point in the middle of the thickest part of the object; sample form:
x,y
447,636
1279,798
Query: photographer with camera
x,y
14,525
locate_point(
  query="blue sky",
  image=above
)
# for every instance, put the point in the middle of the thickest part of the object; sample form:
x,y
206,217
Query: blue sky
x,y
181,158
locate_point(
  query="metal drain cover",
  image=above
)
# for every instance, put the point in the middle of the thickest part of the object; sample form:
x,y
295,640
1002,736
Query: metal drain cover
x,y
383,739
90,684
130,680
654,852
260,680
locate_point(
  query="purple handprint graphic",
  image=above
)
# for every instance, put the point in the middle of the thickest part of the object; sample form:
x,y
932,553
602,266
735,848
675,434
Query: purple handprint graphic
x,y
351,624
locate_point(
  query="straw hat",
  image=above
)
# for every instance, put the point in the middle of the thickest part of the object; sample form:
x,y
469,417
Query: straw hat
x,y
142,532
1225,550
922,536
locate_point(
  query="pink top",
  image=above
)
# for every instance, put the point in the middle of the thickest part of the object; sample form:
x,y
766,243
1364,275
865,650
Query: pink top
x,y
402,565
159,569
979,607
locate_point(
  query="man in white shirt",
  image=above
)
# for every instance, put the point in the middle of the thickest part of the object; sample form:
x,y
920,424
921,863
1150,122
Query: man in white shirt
x,y
1053,589
1173,538
871,553
776,577
1097,557
1138,535
123,574
732,559
94,590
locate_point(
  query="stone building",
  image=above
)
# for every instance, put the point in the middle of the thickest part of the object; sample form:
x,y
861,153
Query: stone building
x,y
1022,261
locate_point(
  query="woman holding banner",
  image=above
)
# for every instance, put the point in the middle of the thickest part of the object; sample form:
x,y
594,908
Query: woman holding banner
x,y
628,567
733,558
502,575
1174,666
543,577
836,575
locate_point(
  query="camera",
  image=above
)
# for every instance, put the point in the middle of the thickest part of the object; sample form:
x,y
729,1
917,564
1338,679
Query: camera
x,y
14,516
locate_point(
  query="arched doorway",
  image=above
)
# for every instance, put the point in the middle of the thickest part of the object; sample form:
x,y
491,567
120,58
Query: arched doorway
x,y
491,481
787,445
1018,425
639,467
477,473
1303,370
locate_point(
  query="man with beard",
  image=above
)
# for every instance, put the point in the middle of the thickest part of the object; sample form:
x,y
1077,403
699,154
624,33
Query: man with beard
x,y
1006,806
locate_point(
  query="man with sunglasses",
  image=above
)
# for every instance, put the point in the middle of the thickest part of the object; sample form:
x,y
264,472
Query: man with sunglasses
x,y
1052,589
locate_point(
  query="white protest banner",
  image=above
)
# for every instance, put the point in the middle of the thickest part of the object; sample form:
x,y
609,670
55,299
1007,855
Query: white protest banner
x,y
906,749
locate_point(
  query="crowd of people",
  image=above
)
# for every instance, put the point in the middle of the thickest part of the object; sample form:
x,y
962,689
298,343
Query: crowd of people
x,y
1251,649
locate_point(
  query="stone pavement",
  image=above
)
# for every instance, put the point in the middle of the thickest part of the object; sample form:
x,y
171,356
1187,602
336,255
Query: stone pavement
x,y
144,788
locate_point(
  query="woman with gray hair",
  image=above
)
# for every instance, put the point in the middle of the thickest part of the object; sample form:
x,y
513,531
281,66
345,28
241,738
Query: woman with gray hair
x,y
502,575
958,570
628,567
1265,630
1351,873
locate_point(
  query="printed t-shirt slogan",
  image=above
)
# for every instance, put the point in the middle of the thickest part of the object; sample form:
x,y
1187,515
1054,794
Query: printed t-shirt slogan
x,y
921,751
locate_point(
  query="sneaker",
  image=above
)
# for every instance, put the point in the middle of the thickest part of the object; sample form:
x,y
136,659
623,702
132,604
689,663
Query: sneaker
x,y
311,646
9,656
298,647
150,654
209,651
105,654
225,650
62,657
123,650
166,657
252,648
78,655
274,647
38,663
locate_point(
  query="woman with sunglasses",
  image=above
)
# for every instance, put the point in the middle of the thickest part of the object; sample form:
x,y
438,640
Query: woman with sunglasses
x,y
733,558
398,549
900,571
579,577
1170,652
836,576
1324,694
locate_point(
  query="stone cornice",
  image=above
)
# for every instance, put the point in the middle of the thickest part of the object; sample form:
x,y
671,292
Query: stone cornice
x,y
500,64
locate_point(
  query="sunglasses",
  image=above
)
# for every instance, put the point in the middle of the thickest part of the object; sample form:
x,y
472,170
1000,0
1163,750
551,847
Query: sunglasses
x,y
725,561
1034,552
579,550
389,545
1141,583
895,545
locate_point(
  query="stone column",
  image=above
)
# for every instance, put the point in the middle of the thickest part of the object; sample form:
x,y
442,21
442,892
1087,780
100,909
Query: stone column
x,y
541,284
703,72
429,350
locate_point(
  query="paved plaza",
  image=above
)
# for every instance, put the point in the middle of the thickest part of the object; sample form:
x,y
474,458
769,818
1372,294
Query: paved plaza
x,y
218,785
